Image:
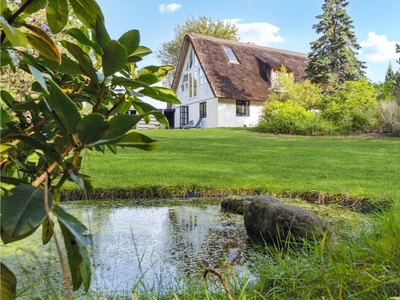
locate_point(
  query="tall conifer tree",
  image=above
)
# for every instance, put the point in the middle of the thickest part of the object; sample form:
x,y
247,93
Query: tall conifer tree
x,y
332,60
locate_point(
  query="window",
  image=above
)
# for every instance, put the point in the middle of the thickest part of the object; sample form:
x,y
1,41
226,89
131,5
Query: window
x,y
184,114
184,85
190,85
231,55
242,108
203,110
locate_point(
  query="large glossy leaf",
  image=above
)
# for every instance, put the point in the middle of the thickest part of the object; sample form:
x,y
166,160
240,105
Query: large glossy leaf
x,y
43,43
81,37
102,37
22,211
8,285
154,74
163,94
34,6
142,51
91,128
67,66
131,139
130,40
57,15
87,11
85,63
64,107
114,58
77,240
132,83
119,125
16,37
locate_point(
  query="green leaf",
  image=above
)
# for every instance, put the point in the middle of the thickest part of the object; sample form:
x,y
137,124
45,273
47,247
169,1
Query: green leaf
x,y
34,6
13,180
132,83
39,78
22,212
47,230
5,59
154,74
145,108
119,125
85,63
114,58
131,139
102,37
67,66
77,240
5,148
43,43
87,11
7,98
130,40
4,117
64,107
81,37
16,37
162,94
91,128
57,15
142,51
8,285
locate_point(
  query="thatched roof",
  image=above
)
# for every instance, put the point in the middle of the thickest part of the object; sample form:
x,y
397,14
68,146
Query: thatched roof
x,y
248,80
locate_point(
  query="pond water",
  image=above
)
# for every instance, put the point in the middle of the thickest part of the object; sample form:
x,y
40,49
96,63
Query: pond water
x,y
147,243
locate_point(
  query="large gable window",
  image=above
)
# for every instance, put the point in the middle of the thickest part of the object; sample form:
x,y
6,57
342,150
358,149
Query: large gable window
x,y
192,76
242,108
231,55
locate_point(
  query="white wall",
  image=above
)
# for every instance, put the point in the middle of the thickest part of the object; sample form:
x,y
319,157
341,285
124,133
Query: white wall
x,y
227,114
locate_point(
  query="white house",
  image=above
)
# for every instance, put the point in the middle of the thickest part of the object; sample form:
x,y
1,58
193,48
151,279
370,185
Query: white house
x,y
225,83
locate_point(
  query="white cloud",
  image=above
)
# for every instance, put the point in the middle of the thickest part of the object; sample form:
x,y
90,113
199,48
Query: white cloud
x,y
261,33
378,48
168,8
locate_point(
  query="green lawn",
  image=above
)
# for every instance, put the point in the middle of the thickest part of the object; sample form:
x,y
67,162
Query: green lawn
x,y
238,159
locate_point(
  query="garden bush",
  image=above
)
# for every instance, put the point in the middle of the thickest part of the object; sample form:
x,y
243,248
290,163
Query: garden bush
x,y
352,106
290,118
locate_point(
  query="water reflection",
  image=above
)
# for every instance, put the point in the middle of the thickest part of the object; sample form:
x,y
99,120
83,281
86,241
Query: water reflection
x,y
136,245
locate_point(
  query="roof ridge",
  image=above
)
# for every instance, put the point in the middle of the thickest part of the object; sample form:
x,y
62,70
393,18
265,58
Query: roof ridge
x,y
201,36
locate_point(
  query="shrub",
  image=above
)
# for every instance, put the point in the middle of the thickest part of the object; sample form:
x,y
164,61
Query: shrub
x,y
289,118
352,106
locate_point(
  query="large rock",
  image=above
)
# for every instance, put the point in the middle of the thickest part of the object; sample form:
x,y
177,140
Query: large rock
x,y
269,220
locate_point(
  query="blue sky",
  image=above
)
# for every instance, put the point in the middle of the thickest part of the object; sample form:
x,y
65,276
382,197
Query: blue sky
x,y
283,24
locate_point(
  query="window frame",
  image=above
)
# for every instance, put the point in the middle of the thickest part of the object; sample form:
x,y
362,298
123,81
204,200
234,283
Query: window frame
x,y
183,115
203,109
231,55
242,108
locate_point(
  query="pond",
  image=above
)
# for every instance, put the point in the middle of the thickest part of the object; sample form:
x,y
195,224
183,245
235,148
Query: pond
x,y
139,243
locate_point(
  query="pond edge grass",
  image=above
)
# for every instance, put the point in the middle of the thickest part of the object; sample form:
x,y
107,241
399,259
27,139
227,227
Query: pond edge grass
x,y
363,204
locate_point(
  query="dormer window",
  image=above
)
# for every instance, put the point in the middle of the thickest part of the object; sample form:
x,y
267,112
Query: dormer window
x,y
231,55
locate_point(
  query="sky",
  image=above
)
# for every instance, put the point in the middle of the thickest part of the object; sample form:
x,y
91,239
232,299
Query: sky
x,y
282,24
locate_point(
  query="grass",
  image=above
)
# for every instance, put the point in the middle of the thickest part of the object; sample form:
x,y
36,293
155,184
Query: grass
x,y
238,160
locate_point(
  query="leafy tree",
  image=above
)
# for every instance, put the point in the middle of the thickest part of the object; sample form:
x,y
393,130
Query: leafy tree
x,y
169,52
44,136
332,60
